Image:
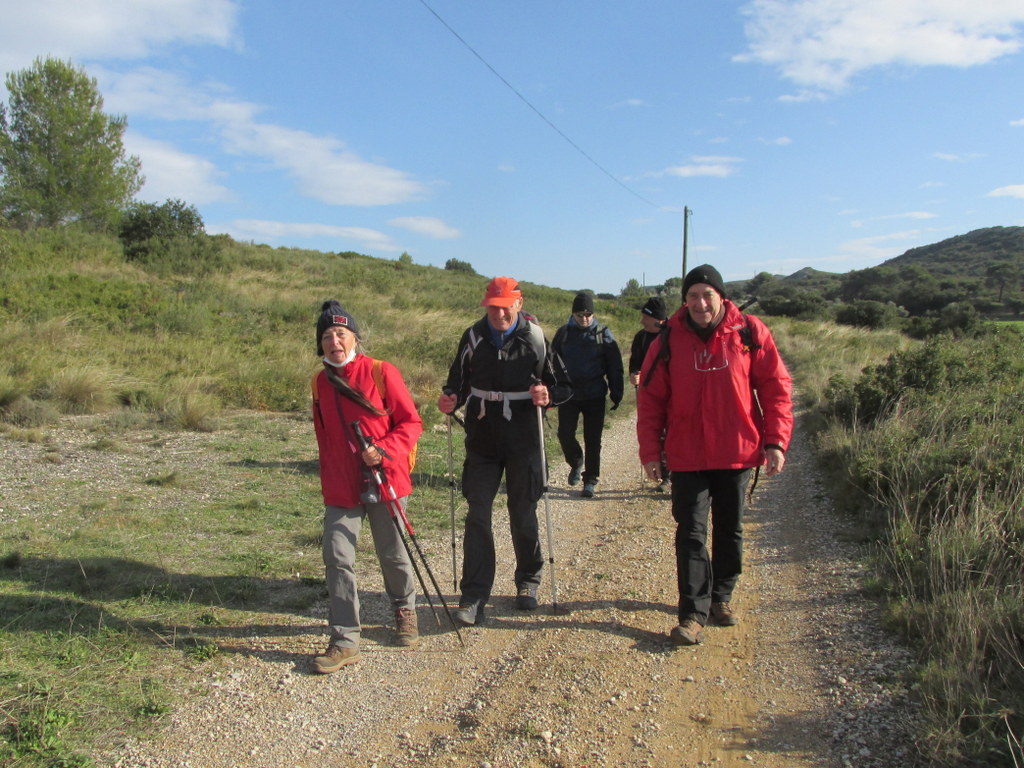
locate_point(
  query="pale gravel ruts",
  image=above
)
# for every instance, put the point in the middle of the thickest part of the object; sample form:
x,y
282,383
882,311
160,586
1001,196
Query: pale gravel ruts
x,y
807,679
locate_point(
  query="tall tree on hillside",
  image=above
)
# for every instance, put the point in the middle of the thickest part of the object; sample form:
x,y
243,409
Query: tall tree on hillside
x,y
1001,274
61,157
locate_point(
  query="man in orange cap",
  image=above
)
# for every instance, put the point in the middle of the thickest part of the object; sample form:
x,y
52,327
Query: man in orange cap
x,y
503,370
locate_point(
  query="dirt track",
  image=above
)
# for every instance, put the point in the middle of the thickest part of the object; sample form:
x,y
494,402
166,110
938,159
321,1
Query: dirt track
x,y
806,678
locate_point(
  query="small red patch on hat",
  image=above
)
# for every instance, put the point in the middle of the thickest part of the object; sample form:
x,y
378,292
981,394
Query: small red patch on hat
x,y
339,320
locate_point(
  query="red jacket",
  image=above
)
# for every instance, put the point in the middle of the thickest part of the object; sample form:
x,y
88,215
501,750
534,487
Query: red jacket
x,y
703,400
396,433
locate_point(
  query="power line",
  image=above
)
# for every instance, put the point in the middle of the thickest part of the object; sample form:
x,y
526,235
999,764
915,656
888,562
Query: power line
x,y
536,111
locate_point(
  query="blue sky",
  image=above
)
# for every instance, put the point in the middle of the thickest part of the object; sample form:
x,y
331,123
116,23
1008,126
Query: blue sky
x,y
558,141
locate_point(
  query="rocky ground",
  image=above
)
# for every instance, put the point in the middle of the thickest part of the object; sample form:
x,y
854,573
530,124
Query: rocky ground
x,y
807,678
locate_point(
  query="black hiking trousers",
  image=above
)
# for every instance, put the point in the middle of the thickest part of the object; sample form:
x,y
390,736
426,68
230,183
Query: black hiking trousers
x,y
704,577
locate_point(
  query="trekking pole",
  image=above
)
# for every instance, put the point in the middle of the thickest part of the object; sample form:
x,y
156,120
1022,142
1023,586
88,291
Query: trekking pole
x,y
399,517
643,474
451,495
547,506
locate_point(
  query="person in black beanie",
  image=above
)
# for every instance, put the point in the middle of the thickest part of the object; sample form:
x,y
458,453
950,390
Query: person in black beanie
x,y
354,387
652,319
594,363
716,404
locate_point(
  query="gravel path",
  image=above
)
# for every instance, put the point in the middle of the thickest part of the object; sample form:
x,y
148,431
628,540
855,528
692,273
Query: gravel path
x,y
806,679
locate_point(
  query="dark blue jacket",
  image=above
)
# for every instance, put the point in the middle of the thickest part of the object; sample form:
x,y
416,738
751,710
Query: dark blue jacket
x,y
592,358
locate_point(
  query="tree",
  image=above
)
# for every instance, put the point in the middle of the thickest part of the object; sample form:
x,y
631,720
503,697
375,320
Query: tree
x,y
1001,274
169,238
62,159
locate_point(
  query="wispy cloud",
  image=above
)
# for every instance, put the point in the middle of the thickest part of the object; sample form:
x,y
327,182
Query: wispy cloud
x,y
629,103
717,166
917,215
1014,190
1017,123
953,157
426,225
276,231
877,248
822,44
322,167
173,174
781,141
100,30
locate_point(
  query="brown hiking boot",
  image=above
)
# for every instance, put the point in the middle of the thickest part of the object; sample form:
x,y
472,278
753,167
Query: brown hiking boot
x,y
407,631
723,615
687,633
334,658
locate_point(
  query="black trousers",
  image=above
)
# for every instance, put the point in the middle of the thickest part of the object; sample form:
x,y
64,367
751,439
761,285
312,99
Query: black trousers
x,y
705,577
481,479
569,414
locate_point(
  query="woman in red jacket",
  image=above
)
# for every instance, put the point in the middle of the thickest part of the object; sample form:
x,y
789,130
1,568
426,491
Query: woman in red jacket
x,y
354,387
718,406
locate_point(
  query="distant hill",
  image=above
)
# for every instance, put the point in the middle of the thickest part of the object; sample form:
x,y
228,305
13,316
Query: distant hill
x,y
966,255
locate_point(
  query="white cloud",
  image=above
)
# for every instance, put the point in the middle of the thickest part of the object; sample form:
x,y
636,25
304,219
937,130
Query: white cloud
x,y
426,225
262,230
821,44
953,157
322,167
876,248
720,167
1017,123
109,29
629,103
1014,190
173,174
781,141
889,217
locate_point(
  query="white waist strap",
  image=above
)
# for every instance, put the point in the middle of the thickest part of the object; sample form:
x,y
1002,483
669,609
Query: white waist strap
x,y
506,410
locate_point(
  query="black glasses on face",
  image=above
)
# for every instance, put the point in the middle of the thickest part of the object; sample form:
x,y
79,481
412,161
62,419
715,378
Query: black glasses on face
x,y
583,314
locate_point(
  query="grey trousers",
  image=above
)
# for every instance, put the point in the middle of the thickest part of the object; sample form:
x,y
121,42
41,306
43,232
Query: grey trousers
x,y
341,533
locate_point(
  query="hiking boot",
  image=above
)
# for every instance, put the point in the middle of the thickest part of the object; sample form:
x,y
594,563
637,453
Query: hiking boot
x,y
722,615
469,614
334,658
588,490
407,633
688,633
526,599
576,472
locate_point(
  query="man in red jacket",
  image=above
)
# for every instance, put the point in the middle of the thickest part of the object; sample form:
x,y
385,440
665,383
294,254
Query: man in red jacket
x,y
716,396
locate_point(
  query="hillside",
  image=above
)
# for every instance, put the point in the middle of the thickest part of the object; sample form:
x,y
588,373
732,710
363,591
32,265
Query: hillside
x,y
966,255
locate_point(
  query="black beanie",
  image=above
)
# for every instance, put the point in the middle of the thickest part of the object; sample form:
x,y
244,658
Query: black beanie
x,y
331,314
583,302
707,274
655,307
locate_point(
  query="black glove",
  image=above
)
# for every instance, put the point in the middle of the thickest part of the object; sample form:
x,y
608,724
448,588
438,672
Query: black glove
x,y
615,404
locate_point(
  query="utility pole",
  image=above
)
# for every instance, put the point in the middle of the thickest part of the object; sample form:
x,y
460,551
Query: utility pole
x,y
686,222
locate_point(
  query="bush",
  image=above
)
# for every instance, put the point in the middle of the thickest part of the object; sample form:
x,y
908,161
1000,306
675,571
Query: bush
x,y
454,265
868,314
169,238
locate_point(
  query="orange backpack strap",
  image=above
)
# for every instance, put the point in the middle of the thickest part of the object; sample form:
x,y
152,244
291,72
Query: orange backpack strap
x,y
377,371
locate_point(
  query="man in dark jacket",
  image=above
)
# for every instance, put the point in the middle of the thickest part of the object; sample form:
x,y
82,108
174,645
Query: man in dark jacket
x,y
503,372
594,363
652,319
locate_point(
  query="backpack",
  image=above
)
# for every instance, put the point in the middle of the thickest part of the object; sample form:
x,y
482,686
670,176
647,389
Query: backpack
x,y
377,372
746,335
562,332
536,341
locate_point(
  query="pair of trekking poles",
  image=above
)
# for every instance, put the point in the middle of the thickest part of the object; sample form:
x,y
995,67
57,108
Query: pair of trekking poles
x,y
405,530
547,505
